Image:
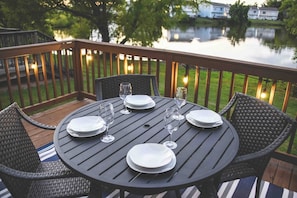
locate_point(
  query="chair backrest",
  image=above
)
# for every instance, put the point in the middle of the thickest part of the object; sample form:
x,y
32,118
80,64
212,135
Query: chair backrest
x,y
108,87
16,149
259,124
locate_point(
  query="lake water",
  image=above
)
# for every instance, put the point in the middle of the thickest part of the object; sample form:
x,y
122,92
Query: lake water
x,y
257,45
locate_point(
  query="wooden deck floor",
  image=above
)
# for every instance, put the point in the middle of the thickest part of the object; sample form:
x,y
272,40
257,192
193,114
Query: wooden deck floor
x,y
277,172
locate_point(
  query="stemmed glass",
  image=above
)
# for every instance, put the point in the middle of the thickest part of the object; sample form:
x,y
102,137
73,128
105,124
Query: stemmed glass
x,y
125,90
107,114
171,124
180,99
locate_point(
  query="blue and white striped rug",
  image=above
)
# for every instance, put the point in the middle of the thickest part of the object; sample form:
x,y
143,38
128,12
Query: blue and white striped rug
x,y
243,188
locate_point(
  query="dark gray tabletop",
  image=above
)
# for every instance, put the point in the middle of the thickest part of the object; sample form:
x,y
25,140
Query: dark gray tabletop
x,y
200,153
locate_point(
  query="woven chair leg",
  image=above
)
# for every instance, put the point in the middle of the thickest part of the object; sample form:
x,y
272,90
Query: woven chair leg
x,y
208,188
177,194
122,193
96,190
257,194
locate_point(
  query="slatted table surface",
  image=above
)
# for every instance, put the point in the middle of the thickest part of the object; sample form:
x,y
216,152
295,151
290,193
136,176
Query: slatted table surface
x,y
200,154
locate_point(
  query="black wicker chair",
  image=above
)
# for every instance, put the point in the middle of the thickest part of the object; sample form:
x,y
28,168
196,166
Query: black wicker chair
x,y
108,87
262,128
21,170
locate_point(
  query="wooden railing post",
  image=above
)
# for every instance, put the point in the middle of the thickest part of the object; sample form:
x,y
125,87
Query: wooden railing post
x,y
170,77
77,66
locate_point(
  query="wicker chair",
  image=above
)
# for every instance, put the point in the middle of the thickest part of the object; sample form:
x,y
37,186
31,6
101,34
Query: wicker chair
x,y
21,170
108,87
262,128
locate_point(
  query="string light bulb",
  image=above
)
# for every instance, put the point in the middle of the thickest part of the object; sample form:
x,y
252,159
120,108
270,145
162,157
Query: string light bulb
x,y
34,65
264,93
89,57
130,67
186,79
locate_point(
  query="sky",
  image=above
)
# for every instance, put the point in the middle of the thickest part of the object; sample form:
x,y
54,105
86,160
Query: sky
x,y
246,2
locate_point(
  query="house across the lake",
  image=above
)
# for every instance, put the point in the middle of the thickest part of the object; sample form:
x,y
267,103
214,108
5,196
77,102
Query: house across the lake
x,y
268,13
263,13
214,10
253,12
219,10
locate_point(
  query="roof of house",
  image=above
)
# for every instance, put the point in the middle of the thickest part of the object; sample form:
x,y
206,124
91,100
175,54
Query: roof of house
x,y
220,4
268,8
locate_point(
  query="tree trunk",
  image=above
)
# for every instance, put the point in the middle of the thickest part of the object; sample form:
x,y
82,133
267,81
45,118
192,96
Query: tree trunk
x,y
103,29
103,23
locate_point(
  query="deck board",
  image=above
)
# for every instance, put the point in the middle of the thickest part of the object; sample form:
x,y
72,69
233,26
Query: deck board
x,y
283,173
277,172
52,116
293,180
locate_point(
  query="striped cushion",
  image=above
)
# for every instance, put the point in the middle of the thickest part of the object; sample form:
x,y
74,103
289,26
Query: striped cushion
x,y
243,188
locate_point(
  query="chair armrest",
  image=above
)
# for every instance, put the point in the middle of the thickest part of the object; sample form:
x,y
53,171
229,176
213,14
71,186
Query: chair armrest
x,y
35,176
252,156
229,105
32,121
261,153
288,129
155,86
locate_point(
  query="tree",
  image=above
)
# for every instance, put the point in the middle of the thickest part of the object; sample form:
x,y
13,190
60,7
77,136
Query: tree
x,y
98,13
236,34
24,15
66,24
142,21
138,21
289,8
272,3
238,13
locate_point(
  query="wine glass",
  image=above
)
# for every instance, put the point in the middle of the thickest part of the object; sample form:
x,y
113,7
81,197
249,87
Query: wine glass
x,y
171,124
180,99
125,90
107,114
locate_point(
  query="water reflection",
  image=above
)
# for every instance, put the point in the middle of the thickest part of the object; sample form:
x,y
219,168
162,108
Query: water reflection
x,y
202,34
263,45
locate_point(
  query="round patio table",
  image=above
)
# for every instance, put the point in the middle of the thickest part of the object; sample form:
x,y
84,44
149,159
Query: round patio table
x,y
200,154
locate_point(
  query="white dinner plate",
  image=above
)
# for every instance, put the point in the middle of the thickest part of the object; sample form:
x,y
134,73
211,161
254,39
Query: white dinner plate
x,y
150,155
201,125
86,124
163,169
84,134
138,100
148,106
140,169
205,117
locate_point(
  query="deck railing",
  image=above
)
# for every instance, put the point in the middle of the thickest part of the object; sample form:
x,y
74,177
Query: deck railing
x,y
40,75
13,37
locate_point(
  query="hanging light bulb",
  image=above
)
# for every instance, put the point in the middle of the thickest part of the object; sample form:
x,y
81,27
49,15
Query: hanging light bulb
x,y
130,67
264,93
186,79
129,63
89,57
186,76
34,65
